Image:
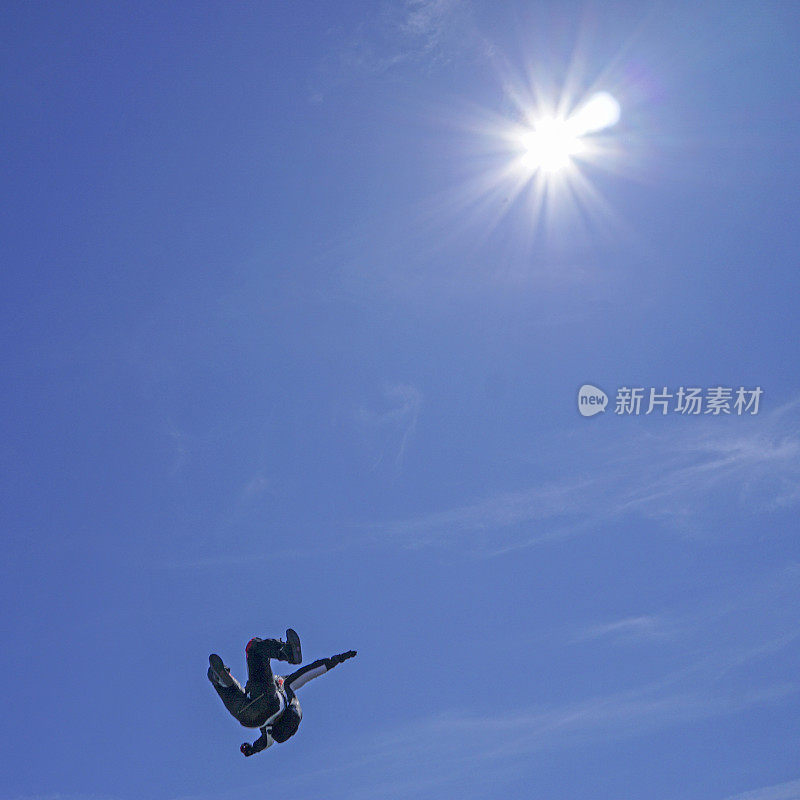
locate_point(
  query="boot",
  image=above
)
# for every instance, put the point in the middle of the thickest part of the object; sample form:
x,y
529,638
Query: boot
x,y
268,648
278,649
221,674
291,647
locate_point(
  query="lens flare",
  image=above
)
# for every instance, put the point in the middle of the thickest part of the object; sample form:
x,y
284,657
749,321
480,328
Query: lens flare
x,y
599,112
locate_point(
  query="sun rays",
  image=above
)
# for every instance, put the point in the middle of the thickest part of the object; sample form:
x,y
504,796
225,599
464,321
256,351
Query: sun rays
x,y
533,167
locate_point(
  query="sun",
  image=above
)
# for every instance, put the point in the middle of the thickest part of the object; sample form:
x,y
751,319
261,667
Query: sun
x,y
550,144
533,169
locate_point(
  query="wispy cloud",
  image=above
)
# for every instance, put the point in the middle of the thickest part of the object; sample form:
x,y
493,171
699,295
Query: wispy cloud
x,y
427,21
545,502
705,688
681,480
399,34
257,486
725,632
68,796
613,716
440,750
781,791
392,424
629,628
433,755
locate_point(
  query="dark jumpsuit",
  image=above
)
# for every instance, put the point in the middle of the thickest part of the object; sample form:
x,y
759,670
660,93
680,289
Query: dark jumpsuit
x,y
267,699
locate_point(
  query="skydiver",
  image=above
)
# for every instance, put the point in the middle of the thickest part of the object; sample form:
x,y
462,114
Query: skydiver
x,y
268,701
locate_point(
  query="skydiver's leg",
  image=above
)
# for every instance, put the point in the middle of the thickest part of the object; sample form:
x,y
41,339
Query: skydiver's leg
x,y
261,687
233,695
250,705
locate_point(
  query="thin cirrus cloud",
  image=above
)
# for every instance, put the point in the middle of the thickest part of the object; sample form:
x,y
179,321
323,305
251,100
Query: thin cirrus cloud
x,y
438,749
781,791
675,480
392,36
707,687
430,755
391,425
764,605
630,628
712,678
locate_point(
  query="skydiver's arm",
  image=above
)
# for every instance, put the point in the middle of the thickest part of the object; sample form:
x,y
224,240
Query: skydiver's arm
x,y
315,669
262,743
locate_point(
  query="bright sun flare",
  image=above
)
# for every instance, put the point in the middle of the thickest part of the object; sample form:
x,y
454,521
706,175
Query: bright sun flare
x,y
550,146
551,143
538,169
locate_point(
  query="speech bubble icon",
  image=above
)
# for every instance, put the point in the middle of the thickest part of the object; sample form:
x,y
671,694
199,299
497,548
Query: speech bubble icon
x,y
591,400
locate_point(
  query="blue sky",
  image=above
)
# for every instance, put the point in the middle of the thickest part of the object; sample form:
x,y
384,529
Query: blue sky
x,y
287,342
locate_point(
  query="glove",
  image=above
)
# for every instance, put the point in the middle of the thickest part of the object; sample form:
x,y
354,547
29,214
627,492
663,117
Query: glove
x,y
247,749
343,657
